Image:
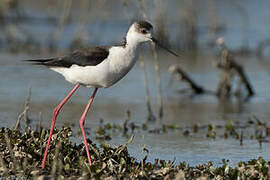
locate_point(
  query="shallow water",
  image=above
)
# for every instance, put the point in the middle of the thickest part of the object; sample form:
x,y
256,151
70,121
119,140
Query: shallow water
x,y
111,104
49,88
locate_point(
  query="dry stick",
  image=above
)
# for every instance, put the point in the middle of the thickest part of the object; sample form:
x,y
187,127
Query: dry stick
x,y
213,19
157,69
261,47
83,19
240,71
241,138
231,64
38,125
124,2
62,20
156,64
145,157
151,116
42,137
125,128
121,148
142,9
24,113
27,107
17,125
226,74
183,76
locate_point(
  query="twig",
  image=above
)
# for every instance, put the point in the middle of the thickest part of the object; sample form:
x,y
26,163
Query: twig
x,y
24,113
261,46
125,128
157,69
125,4
38,126
121,148
151,116
229,66
62,20
241,138
83,20
27,107
183,76
142,9
85,7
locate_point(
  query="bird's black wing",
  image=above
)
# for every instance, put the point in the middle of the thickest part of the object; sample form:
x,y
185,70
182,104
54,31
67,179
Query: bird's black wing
x,y
87,57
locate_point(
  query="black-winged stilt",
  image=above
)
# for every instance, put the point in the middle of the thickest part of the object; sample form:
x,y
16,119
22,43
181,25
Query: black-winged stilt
x,y
98,67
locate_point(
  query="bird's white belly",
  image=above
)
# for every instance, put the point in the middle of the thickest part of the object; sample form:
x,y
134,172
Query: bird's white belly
x,y
102,75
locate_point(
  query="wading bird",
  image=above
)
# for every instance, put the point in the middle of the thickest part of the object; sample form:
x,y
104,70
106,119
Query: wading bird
x,y
97,67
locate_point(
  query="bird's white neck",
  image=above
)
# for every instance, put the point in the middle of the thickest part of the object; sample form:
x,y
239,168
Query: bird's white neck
x,y
132,40
123,58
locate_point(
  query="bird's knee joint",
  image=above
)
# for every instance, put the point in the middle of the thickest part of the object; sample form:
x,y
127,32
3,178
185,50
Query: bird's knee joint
x,y
81,124
56,110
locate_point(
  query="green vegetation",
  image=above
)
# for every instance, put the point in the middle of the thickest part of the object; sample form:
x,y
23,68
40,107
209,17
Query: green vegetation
x,y
21,154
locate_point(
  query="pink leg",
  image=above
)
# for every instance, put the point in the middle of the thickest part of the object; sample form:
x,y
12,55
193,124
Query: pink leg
x,y
82,124
55,113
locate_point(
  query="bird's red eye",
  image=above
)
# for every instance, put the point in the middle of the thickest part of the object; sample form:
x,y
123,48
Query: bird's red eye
x,y
143,31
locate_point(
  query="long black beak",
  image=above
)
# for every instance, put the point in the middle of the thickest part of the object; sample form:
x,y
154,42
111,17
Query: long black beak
x,y
160,45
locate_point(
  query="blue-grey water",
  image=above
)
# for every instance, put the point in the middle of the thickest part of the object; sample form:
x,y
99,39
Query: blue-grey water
x,y
49,88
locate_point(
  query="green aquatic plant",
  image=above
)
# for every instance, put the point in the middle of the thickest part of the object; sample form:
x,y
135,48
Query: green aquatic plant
x,y
21,153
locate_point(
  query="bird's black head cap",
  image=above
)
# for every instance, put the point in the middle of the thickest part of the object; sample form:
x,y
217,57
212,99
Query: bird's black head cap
x,y
144,24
